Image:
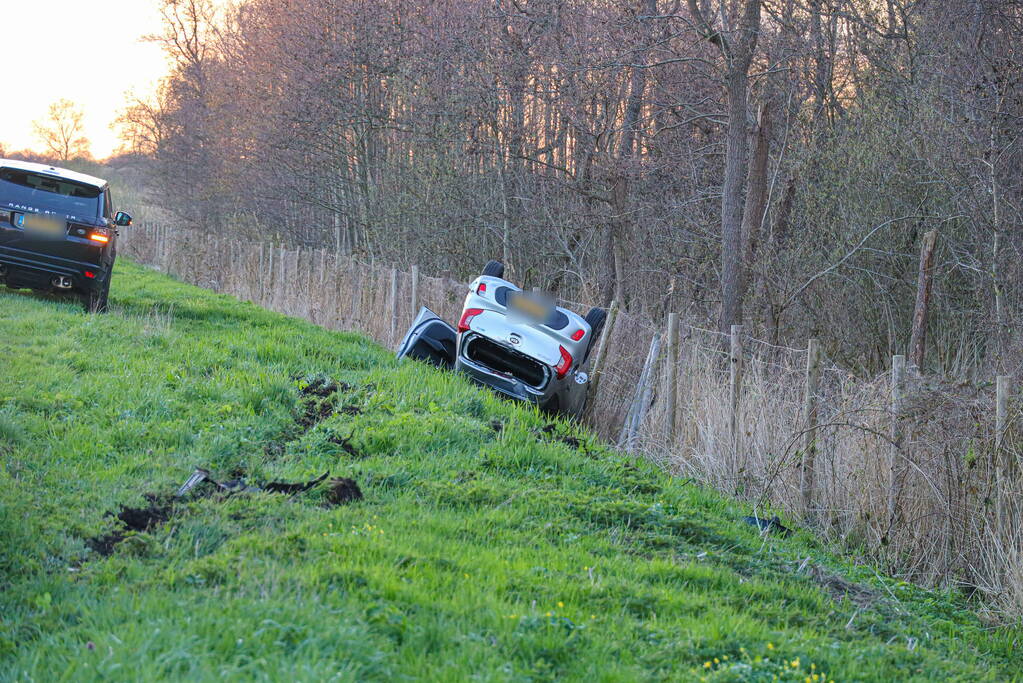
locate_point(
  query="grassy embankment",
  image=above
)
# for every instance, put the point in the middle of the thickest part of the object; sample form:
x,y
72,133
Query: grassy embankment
x,y
484,546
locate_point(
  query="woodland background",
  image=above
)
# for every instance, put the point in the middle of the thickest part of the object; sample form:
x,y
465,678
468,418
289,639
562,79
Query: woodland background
x,y
771,163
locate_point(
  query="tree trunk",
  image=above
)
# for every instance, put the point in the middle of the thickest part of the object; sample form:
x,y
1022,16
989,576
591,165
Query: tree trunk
x,y
756,195
731,201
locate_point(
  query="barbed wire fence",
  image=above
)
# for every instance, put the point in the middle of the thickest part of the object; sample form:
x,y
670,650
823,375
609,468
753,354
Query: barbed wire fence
x,y
919,473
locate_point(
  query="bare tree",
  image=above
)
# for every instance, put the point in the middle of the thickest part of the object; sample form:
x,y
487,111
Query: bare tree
x,y
62,131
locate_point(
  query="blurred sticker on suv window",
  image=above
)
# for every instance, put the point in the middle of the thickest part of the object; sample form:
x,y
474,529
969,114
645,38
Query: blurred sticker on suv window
x,y
43,227
529,307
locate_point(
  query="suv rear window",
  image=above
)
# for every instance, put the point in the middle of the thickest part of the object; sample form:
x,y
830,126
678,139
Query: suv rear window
x,y
40,191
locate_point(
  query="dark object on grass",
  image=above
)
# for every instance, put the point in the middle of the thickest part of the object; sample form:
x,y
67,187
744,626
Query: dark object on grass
x,y
201,475
768,525
343,490
497,426
290,489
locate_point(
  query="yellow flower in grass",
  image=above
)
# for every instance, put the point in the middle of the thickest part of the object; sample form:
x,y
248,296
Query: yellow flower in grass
x,y
795,663
561,604
706,665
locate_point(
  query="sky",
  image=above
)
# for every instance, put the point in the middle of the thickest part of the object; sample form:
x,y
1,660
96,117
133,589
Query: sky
x,y
86,51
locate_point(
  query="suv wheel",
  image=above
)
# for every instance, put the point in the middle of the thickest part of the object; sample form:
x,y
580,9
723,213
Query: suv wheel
x,y
494,269
96,299
595,318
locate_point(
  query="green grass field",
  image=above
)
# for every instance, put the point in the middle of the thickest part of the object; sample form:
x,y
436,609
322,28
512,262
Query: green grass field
x,y
485,548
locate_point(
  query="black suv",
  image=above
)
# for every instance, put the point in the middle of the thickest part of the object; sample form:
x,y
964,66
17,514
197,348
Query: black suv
x,y
57,231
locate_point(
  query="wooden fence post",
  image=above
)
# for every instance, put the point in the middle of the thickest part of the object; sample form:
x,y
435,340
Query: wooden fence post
x,y
671,385
898,463
394,307
282,287
807,474
649,382
630,427
271,273
415,291
734,385
998,461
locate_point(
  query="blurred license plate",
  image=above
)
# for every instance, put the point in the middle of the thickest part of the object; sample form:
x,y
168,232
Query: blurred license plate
x,y
44,226
529,307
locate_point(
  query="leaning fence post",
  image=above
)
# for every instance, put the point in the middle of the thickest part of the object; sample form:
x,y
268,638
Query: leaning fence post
x,y
631,420
671,385
598,360
415,291
394,306
647,388
998,461
807,481
898,464
734,383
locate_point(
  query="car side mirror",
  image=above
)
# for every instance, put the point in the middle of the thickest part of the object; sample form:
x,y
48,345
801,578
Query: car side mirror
x,y
122,219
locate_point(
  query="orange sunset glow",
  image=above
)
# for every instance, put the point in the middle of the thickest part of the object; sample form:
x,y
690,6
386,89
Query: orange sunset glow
x,y
90,52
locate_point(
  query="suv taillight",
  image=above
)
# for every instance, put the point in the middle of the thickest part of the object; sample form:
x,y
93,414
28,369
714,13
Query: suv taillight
x,y
467,316
561,369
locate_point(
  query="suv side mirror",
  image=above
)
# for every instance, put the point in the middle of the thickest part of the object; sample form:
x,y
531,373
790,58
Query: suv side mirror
x,y
122,219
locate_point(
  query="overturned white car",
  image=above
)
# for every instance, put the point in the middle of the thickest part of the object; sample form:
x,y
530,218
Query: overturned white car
x,y
518,343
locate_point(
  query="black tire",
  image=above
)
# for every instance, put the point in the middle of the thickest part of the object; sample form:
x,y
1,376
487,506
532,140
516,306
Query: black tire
x,y
595,318
96,300
494,269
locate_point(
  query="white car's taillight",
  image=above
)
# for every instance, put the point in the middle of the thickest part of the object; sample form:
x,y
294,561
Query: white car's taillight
x,y
561,369
467,316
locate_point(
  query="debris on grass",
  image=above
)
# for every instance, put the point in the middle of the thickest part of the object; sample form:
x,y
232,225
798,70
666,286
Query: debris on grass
x,y
549,432
343,490
201,475
497,426
160,508
323,387
346,445
317,400
314,412
768,525
291,489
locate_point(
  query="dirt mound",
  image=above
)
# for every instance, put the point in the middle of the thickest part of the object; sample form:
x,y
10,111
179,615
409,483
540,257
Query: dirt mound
x,y
343,490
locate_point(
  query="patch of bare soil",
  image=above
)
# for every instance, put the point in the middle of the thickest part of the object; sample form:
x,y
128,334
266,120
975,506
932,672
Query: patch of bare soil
x,y
343,490
839,587
133,519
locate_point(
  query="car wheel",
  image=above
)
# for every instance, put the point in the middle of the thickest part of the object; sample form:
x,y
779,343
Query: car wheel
x,y
494,269
96,300
595,319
